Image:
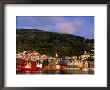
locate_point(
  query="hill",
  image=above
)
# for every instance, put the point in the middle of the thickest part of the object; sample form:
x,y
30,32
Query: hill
x,y
50,43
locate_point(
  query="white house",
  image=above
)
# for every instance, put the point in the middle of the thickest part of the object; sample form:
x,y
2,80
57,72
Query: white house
x,y
85,56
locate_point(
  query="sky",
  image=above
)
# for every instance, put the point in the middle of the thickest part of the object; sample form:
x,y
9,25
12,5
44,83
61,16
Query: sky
x,y
76,25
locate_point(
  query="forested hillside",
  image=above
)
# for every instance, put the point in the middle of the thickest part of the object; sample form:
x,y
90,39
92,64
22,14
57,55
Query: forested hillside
x,y
50,43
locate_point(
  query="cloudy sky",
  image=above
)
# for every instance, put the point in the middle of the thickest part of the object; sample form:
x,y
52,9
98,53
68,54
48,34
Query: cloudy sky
x,y
77,25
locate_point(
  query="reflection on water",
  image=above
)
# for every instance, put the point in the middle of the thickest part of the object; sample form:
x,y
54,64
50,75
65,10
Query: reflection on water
x,y
58,72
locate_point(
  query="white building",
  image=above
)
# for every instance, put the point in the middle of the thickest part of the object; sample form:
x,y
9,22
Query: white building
x,y
74,57
85,56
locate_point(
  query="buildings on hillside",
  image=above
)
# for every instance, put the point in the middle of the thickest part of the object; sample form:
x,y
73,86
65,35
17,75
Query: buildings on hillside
x,y
43,62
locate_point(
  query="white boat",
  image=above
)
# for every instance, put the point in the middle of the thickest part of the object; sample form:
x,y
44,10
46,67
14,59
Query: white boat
x,y
85,69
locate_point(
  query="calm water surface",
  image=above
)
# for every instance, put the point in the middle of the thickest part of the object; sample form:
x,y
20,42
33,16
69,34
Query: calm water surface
x,y
58,72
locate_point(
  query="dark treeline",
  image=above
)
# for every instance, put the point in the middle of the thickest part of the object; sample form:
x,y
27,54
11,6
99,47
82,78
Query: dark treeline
x,y
50,43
